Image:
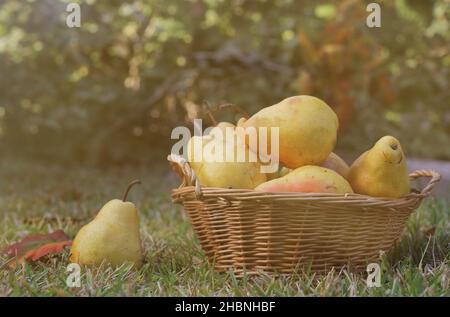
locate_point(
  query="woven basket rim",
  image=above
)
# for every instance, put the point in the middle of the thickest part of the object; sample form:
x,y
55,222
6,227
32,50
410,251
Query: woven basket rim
x,y
262,195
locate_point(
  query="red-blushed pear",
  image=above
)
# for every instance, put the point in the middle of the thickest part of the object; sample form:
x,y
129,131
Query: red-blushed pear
x,y
307,129
381,171
112,237
308,179
336,163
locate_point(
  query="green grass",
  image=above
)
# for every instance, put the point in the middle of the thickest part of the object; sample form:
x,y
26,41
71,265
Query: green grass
x,y
39,198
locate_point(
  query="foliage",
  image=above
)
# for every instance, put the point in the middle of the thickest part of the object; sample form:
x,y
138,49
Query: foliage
x,y
35,246
137,68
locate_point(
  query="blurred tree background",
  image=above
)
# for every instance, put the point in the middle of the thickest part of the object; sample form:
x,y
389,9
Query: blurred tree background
x,y
112,90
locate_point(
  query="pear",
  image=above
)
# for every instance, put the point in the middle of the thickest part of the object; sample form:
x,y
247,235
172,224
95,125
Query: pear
x,y
195,147
308,179
337,164
307,129
282,171
381,171
112,237
223,125
240,122
217,171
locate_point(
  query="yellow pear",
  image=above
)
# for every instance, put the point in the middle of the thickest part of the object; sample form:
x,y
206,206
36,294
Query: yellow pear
x,y
195,147
337,164
381,171
284,171
240,122
222,126
307,129
214,169
112,237
308,179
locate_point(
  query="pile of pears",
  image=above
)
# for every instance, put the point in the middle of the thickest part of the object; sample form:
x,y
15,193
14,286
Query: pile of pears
x,y
307,135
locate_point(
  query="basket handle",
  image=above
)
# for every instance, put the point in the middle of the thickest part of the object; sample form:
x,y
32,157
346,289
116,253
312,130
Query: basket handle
x,y
186,172
426,191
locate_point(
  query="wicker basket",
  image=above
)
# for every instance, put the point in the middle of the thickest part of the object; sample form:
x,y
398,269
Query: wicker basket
x,y
257,232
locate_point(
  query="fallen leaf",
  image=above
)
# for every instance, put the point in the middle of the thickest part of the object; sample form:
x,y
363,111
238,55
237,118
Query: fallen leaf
x,y
36,246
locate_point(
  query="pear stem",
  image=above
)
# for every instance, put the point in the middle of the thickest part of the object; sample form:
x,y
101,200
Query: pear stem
x,y
236,108
209,112
125,195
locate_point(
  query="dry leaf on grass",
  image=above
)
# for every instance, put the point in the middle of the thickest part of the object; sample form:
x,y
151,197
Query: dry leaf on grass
x,y
35,246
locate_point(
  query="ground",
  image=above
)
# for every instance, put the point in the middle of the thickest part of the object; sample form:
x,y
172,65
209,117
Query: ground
x,y
37,197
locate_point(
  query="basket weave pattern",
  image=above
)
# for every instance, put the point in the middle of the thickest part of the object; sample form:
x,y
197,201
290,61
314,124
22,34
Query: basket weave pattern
x,y
253,232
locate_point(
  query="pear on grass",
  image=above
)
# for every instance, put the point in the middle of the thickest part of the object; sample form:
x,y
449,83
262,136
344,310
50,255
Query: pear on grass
x,y
112,237
381,171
